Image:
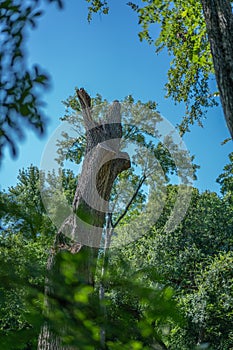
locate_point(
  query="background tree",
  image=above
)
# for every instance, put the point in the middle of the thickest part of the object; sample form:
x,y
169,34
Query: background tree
x,y
23,265
26,233
198,251
23,210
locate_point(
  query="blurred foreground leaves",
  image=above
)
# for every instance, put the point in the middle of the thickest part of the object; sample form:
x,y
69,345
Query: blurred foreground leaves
x,y
20,85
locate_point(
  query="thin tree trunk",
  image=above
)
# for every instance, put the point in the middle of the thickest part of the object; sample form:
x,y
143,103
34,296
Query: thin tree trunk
x,y
102,163
219,24
108,234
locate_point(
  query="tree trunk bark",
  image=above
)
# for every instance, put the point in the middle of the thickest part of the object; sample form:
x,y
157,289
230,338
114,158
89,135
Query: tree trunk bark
x,y
219,24
102,163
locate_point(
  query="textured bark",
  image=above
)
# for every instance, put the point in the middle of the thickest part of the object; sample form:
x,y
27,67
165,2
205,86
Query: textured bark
x,y
102,163
219,24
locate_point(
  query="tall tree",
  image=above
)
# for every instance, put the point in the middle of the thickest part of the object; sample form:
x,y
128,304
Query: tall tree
x,y
103,134
219,24
103,162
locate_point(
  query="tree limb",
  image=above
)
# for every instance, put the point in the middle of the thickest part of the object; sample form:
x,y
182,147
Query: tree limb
x,y
130,202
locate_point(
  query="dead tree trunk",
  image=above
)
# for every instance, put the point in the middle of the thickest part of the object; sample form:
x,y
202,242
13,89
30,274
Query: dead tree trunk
x,y
103,162
219,24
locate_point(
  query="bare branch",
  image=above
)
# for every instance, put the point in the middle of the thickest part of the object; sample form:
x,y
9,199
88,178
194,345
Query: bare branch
x,y
143,178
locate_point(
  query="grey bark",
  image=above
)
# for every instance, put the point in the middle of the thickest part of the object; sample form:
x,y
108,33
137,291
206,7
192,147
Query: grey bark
x,y
102,163
219,25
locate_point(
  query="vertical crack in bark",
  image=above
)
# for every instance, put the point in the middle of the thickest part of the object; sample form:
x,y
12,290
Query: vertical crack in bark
x,y
219,25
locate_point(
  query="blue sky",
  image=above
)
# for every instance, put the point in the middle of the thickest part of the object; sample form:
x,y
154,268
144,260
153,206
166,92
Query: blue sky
x,y
107,57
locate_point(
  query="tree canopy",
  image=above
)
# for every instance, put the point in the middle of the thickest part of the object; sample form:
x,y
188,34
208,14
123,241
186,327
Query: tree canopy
x,y
199,43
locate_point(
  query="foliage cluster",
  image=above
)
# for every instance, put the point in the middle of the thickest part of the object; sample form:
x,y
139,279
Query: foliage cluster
x,y
168,289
